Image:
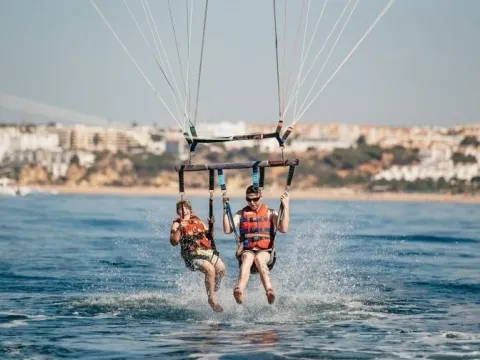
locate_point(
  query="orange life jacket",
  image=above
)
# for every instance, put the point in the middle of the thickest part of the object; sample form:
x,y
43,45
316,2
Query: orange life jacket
x,y
256,229
196,228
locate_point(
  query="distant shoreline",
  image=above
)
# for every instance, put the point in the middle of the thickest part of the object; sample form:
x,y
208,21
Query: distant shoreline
x,y
314,194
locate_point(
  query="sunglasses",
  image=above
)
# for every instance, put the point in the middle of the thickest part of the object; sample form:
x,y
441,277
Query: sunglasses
x,y
255,199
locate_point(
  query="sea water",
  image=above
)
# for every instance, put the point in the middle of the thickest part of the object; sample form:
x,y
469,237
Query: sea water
x,y
95,277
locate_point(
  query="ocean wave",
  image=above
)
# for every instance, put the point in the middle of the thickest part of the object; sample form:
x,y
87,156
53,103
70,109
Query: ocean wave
x,y
137,305
456,287
417,238
115,223
289,308
8,320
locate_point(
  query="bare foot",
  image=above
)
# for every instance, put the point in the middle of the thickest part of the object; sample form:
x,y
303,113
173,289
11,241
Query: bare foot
x,y
270,296
238,295
215,306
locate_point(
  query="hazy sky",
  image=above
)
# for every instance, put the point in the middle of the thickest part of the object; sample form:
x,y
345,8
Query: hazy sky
x,y
419,65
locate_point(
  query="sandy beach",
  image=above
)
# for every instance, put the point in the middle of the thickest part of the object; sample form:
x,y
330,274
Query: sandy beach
x,y
316,193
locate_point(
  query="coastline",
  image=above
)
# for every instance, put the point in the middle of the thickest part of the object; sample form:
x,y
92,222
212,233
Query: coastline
x,y
313,194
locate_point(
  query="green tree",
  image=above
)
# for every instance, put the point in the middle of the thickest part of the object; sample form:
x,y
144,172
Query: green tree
x,y
361,140
96,139
403,156
372,151
442,184
75,160
329,178
459,157
421,185
470,141
475,182
348,159
147,164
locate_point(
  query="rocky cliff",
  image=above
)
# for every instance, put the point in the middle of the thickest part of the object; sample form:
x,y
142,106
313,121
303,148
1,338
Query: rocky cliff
x,y
33,174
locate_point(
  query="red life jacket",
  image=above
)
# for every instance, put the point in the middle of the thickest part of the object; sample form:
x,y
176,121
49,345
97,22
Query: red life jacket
x,y
196,228
256,229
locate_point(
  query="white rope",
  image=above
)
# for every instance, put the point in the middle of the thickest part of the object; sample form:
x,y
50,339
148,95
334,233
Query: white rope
x,y
382,13
179,58
304,55
160,64
199,76
133,60
164,53
321,49
314,32
295,47
328,56
279,96
189,34
300,79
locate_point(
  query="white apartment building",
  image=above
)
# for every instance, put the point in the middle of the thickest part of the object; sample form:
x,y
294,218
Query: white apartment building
x,y
25,141
4,144
55,161
15,142
446,169
97,138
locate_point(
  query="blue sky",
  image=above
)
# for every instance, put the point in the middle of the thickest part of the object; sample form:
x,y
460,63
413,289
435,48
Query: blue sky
x,y
419,65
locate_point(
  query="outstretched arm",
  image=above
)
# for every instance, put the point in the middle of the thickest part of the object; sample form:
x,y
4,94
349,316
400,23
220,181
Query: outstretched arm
x,y
227,229
285,220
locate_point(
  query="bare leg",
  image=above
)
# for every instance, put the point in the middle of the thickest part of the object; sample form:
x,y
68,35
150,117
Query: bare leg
x,y
209,271
219,273
261,261
243,276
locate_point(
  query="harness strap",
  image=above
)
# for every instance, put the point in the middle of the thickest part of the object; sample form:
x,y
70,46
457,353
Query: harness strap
x,y
261,180
253,219
181,180
256,182
254,231
228,209
211,188
281,210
